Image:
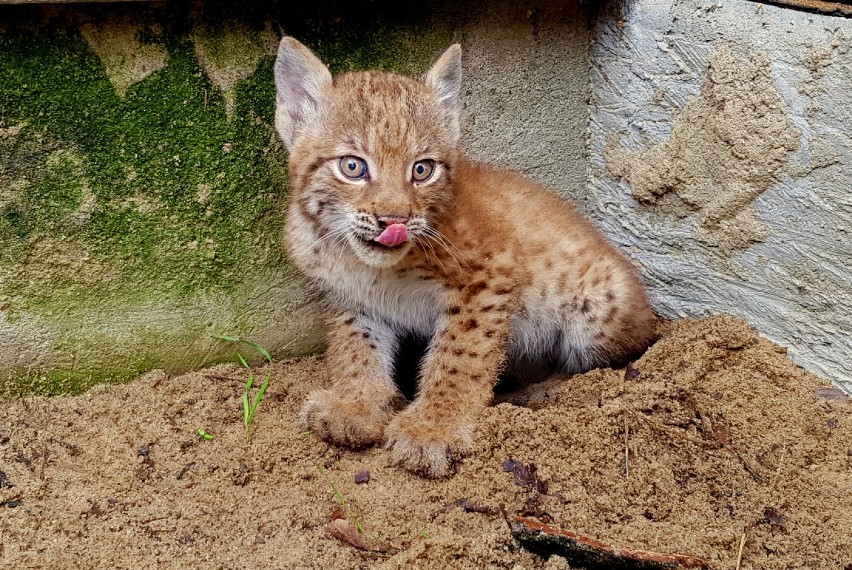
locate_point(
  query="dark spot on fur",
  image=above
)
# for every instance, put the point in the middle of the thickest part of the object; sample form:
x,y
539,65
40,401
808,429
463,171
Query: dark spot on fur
x,y
365,335
458,351
349,321
473,290
610,296
454,310
473,354
486,308
453,370
469,325
426,277
373,346
502,290
353,333
586,306
489,333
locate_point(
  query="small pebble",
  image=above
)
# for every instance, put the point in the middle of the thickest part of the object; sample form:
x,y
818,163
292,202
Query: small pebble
x,y
362,477
632,374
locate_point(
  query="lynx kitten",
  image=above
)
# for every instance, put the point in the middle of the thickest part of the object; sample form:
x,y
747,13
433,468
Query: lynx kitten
x,y
406,236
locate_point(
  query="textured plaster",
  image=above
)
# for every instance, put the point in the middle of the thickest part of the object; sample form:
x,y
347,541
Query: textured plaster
x,y
126,59
230,52
654,66
526,90
728,145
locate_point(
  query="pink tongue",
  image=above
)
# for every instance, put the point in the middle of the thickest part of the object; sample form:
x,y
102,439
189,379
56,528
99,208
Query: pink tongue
x,y
393,235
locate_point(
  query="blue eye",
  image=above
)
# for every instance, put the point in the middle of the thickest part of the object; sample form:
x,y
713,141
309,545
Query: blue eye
x,y
352,167
422,170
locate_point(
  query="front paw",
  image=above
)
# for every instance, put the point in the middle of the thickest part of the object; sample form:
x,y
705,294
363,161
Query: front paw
x,y
334,419
427,447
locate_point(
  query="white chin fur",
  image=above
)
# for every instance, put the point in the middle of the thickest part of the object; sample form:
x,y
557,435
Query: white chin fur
x,y
379,258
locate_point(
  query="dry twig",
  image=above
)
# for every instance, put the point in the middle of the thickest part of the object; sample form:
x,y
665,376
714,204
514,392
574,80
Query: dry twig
x,y
740,553
626,449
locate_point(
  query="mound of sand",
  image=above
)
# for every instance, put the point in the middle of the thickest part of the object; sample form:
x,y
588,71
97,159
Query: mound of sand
x,y
711,434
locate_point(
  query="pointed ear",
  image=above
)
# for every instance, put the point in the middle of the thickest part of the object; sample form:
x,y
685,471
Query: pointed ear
x,y
300,80
445,78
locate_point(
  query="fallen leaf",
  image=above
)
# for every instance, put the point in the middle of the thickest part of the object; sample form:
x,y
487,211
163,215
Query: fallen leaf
x,y
345,531
525,475
341,529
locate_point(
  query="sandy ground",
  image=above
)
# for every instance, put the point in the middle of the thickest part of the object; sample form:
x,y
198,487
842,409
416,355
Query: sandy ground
x,y
724,436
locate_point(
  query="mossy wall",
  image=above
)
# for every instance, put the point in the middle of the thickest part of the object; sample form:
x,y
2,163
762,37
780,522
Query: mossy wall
x,y
142,186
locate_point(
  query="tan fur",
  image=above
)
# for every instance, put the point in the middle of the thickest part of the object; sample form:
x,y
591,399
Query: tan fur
x,y
499,272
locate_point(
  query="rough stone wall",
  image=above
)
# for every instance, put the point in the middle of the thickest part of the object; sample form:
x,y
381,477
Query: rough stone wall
x,y
142,187
721,152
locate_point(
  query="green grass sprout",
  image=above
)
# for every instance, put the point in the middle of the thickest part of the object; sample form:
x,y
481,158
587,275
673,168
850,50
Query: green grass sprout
x,y
203,433
250,405
341,500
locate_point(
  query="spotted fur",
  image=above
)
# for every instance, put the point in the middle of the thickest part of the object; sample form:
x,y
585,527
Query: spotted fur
x,y
498,273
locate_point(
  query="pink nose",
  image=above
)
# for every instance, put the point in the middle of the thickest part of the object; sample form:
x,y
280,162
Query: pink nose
x,y
390,220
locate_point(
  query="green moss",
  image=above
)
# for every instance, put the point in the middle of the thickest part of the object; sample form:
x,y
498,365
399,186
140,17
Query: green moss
x,y
145,157
119,208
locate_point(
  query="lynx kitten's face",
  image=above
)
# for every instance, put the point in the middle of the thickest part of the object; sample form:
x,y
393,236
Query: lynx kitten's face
x,y
381,149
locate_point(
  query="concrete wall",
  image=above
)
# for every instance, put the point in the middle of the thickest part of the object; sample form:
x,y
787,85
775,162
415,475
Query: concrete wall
x,y
142,187
721,153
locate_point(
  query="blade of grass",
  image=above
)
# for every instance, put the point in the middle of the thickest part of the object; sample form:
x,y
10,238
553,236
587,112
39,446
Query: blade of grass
x,y
242,360
340,499
250,406
260,392
227,337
